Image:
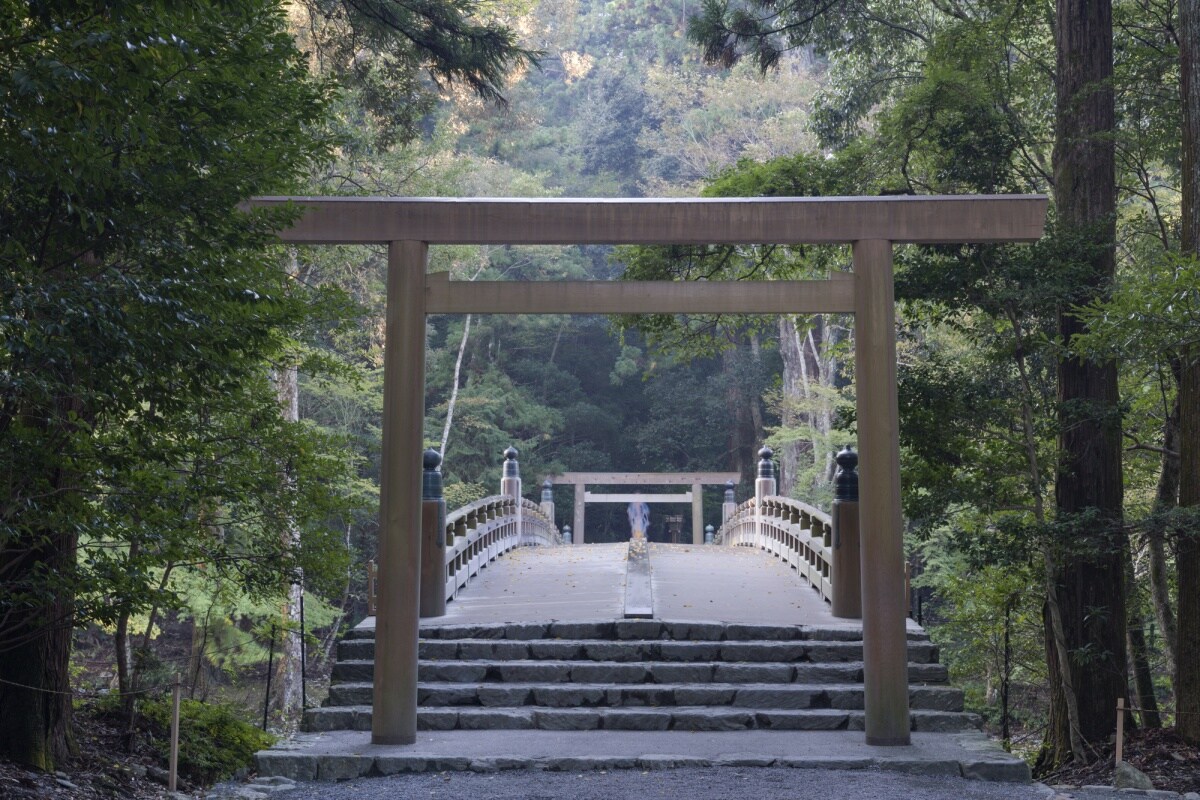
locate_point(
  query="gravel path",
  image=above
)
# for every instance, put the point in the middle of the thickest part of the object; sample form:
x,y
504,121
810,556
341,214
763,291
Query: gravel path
x,y
689,784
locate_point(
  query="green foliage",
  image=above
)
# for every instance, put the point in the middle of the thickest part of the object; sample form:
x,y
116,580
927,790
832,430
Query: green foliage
x,y
458,495
967,617
213,742
380,49
142,310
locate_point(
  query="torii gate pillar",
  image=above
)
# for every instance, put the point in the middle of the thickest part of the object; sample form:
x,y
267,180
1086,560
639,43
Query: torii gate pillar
x,y
885,638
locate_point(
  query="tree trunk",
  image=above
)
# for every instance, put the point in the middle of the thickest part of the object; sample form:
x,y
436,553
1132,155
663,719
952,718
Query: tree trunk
x,y
287,388
1166,498
1187,555
795,393
35,686
1139,661
458,361
1090,579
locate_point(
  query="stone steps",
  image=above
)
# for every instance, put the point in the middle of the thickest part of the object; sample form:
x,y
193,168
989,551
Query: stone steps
x,y
920,652
678,718
635,672
584,695
639,675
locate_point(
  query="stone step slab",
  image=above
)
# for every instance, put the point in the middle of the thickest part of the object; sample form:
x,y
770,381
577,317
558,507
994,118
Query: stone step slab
x,y
633,719
629,629
555,671
791,696
634,650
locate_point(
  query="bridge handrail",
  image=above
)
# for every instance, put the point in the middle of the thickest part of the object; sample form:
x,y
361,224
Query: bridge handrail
x,y
480,532
795,532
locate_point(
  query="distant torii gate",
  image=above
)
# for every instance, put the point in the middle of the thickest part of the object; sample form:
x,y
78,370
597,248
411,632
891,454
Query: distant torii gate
x,y
696,480
871,224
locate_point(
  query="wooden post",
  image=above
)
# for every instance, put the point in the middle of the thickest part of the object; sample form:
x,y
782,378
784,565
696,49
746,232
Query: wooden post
x,y
547,504
1120,730
173,764
845,572
729,503
577,529
764,486
433,538
394,710
885,640
697,513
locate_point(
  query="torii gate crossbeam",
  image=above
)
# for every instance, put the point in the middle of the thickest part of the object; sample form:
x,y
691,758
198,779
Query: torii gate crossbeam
x,y
871,224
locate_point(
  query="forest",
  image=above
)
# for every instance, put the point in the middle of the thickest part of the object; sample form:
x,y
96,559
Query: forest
x,y
190,413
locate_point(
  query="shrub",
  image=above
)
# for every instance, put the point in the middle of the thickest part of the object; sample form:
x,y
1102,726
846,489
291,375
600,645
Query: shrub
x,y
213,742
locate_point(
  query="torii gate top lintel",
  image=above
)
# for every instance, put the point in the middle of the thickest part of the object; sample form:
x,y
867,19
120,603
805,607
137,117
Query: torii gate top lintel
x,y
902,219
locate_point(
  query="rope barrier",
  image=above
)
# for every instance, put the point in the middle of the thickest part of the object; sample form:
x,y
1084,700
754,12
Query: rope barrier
x,y
84,692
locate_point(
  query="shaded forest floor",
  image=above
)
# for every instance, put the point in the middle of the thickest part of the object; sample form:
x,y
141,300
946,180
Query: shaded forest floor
x,y
1169,762
102,770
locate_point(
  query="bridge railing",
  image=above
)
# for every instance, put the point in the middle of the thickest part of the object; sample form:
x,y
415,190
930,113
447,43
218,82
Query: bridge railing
x,y
480,532
467,539
795,532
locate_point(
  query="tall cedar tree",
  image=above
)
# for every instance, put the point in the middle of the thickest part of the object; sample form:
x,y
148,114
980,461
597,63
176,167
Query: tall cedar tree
x,y
1187,558
129,281
1088,490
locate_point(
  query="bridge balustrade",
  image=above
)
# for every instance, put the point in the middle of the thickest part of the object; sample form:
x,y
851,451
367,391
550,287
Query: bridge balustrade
x,y
795,532
482,531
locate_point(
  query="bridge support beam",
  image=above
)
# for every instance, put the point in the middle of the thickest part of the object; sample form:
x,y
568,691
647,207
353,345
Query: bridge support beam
x,y
885,639
394,707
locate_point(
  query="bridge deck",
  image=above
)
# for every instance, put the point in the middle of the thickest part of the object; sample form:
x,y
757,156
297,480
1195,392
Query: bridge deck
x,y
731,584
689,582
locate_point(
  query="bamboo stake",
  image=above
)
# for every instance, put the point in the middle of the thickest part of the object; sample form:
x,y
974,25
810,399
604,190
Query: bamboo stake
x,y
173,771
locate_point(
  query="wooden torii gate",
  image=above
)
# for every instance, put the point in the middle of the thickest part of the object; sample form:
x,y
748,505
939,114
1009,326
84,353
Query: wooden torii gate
x,y
870,224
696,480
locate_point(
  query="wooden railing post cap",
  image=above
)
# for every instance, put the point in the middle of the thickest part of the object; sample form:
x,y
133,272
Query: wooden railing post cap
x,y
511,468
431,478
845,480
729,491
766,467
547,491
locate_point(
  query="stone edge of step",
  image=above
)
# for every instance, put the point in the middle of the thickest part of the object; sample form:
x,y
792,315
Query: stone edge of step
x,y
624,629
921,697
636,718
979,762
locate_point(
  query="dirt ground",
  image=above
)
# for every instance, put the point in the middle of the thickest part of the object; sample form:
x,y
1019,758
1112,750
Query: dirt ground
x,y
1168,762
103,769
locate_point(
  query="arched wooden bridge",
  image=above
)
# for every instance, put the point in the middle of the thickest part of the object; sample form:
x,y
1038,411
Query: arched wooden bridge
x,y
758,629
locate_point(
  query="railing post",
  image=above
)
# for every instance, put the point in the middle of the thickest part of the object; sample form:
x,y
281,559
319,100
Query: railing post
x,y
708,534
566,533
510,486
433,538
510,481
846,569
764,486
547,504
729,505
